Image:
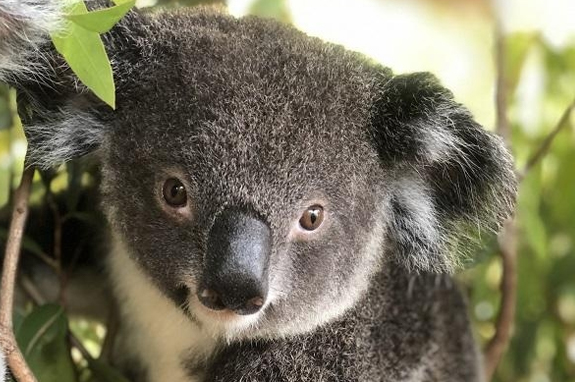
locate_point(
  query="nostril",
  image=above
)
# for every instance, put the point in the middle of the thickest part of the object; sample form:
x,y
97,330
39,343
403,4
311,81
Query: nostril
x,y
256,302
242,306
211,299
250,306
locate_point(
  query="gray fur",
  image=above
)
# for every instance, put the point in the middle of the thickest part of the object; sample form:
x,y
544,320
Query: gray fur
x,y
256,116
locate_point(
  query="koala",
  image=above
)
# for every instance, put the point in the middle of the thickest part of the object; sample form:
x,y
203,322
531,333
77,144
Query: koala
x,y
279,208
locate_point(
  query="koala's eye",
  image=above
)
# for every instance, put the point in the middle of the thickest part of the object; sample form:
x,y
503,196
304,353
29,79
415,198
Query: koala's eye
x,y
175,193
312,218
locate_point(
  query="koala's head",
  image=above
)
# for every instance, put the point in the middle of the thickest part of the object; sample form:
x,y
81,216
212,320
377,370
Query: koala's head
x,y
260,177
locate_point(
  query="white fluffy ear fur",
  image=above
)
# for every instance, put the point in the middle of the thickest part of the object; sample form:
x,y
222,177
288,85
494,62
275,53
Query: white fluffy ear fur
x,y
57,125
24,26
69,134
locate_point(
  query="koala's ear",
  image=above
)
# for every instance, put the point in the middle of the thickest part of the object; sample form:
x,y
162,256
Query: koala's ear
x,y
60,116
450,180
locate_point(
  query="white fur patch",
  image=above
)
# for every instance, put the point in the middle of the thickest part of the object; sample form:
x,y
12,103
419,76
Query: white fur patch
x,y
69,136
24,25
163,336
438,142
414,196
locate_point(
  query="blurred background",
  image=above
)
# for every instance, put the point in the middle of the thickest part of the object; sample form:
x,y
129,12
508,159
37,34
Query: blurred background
x,y
526,45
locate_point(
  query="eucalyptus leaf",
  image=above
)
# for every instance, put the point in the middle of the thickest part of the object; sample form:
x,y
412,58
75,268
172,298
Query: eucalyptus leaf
x,y
42,339
102,20
105,373
85,53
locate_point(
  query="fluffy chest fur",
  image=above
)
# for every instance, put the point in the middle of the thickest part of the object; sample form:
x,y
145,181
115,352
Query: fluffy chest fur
x,y
171,345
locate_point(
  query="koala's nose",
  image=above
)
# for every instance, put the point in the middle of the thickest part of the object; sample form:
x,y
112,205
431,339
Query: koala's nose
x,y
236,264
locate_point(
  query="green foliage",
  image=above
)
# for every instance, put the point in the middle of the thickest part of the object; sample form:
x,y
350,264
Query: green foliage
x,y
276,9
103,372
102,20
545,322
81,45
42,338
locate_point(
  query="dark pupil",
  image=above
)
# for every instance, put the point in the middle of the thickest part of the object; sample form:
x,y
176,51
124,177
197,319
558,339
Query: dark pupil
x,y
313,216
176,191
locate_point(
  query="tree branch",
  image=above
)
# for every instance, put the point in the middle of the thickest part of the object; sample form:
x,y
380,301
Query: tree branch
x,y
16,361
497,345
507,239
546,144
501,88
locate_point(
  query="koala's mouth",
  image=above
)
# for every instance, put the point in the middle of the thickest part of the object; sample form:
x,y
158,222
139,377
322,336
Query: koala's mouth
x,y
222,323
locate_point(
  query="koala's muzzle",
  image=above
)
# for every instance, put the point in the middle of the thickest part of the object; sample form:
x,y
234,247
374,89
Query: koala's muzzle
x,y
236,264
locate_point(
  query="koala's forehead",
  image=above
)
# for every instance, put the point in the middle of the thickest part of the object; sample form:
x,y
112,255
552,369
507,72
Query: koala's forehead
x,y
229,93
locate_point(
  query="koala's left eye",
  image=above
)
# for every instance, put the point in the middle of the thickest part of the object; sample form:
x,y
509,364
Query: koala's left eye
x,y
312,218
175,193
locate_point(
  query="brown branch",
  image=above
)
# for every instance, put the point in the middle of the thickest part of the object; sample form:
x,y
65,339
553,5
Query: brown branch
x,y
501,86
16,361
497,345
546,144
57,249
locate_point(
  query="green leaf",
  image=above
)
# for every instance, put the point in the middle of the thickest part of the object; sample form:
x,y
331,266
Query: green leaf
x,y
277,9
42,339
104,372
85,53
103,20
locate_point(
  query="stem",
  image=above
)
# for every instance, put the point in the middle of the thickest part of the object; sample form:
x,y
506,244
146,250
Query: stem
x,y
496,347
546,144
16,361
57,249
501,88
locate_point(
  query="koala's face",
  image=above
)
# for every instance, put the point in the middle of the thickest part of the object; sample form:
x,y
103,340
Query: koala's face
x,y
247,187
259,177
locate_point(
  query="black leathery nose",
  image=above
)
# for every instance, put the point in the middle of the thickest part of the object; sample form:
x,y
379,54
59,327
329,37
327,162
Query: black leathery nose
x,y
236,264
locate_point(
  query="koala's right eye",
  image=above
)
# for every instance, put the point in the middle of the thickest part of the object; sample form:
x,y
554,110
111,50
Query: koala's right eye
x,y
175,193
312,218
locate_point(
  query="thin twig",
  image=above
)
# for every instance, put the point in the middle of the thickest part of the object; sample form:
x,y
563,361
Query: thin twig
x,y
16,361
30,289
546,144
43,256
497,345
501,86
78,345
57,249
112,328
507,239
